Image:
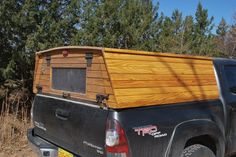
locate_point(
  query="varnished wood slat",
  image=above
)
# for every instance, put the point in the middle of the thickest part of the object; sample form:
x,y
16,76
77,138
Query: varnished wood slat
x,y
95,66
165,90
70,60
89,88
138,57
90,81
156,54
148,100
89,73
97,74
159,71
99,82
157,64
161,84
71,52
154,77
38,65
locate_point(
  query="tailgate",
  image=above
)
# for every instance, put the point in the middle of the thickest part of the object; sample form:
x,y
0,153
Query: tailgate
x,y
77,126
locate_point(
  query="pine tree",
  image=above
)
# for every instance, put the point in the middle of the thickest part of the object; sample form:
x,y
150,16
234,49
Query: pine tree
x,y
203,39
165,38
8,36
220,39
55,20
187,35
177,22
120,24
222,28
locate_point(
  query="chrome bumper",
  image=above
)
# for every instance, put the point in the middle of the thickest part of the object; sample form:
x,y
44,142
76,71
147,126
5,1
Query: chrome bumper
x,y
40,146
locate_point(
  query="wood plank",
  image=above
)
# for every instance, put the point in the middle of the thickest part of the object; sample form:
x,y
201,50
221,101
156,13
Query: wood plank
x,y
97,74
89,73
89,88
94,66
159,71
148,100
99,89
166,90
71,65
157,54
37,77
148,64
74,60
99,82
133,57
72,53
90,81
154,77
164,84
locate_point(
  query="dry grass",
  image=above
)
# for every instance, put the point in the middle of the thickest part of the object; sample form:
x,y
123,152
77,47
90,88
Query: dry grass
x,y
14,122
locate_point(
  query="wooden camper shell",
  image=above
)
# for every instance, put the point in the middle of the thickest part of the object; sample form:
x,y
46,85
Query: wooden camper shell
x,y
131,78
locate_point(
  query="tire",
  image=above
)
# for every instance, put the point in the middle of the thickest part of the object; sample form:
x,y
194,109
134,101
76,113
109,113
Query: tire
x,y
197,150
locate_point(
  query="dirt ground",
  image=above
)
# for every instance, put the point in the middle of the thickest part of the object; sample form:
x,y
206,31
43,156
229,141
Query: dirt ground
x,y
27,152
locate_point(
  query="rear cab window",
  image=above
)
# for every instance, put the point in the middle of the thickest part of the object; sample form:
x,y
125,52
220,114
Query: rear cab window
x,y
69,79
230,72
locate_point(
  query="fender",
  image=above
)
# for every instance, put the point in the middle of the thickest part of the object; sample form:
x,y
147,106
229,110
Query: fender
x,y
193,128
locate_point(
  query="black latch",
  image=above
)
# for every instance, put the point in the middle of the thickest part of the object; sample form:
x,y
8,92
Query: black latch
x,y
39,88
89,58
101,99
48,59
65,95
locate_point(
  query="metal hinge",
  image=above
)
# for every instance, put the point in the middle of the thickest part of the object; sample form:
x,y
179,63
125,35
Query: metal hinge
x,y
102,100
48,59
89,58
39,88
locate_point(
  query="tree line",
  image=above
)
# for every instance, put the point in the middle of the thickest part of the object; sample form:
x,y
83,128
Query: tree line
x,y
27,26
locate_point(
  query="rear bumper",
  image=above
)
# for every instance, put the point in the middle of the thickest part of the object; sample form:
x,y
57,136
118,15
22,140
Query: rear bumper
x,y
40,146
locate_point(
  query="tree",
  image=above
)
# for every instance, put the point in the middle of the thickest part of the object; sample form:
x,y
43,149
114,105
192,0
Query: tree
x,y
124,24
165,38
28,26
231,39
203,38
222,28
187,35
55,23
8,36
177,24
220,39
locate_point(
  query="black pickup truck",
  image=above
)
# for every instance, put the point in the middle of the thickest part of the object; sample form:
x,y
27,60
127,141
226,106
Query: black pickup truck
x,y
67,126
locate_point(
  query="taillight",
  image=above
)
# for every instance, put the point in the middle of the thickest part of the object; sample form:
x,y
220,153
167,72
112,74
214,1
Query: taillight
x,y
116,141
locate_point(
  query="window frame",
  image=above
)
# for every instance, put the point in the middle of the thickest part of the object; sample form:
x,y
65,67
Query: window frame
x,y
66,91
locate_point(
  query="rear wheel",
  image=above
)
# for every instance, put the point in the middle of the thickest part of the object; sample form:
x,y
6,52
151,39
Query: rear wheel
x,y
197,150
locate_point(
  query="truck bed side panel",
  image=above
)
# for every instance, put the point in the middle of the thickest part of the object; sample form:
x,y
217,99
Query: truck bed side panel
x,y
166,119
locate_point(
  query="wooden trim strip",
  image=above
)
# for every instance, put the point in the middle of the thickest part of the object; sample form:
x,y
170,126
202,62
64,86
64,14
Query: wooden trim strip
x,y
136,52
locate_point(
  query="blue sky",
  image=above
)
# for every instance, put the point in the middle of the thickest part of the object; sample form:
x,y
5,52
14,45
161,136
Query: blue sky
x,y
216,8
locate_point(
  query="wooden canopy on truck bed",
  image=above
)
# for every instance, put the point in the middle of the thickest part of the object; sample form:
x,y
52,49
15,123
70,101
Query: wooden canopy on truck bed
x,y
131,78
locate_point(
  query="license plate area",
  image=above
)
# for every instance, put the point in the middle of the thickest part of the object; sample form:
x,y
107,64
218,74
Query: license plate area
x,y
64,153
